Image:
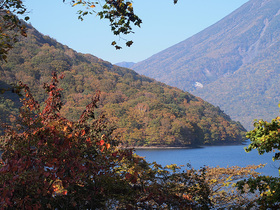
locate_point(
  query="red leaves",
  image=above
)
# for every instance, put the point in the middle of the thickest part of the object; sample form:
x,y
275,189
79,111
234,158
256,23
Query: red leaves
x,y
88,142
83,132
102,149
54,156
131,177
61,76
101,142
47,173
128,176
53,103
103,145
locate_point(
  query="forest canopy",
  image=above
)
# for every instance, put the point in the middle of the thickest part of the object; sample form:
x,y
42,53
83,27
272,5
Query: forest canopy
x,y
50,162
146,112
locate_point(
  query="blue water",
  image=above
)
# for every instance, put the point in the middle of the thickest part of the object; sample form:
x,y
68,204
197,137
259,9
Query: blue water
x,y
222,156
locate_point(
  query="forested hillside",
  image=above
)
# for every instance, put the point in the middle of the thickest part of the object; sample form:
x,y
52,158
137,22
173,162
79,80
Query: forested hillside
x,y
233,64
145,112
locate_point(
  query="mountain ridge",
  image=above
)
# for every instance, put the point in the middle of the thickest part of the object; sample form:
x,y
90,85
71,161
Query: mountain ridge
x,y
125,64
246,35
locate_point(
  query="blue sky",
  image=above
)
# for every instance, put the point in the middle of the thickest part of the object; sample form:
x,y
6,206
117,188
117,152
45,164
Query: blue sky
x,y
164,24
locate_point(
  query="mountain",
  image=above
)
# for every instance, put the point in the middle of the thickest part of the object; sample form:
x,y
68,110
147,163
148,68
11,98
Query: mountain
x,y
145,112
233,64
125,64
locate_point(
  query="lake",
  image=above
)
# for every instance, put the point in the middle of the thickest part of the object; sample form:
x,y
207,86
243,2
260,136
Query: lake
x,y
222,156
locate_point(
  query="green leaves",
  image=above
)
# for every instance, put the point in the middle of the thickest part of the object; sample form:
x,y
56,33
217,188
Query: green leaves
x,y
119,13
265,137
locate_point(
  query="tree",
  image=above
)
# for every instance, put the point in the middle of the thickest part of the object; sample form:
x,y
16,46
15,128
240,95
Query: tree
x,y
10,25
265,137
223,190
51,162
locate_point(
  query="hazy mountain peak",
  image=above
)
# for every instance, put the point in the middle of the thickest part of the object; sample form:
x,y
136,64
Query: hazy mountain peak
x,y
228,51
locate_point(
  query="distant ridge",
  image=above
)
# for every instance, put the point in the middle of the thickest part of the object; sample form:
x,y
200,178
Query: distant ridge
x,y
233,64
125,64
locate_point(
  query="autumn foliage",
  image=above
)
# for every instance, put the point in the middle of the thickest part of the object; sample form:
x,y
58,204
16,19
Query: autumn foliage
x,y
10,26
146,112
51,162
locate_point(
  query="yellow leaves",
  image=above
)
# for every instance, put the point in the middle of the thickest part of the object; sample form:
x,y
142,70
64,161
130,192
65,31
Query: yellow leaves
x,y
70,124
58,188
84,3
78,2
65,128
213,180
173,166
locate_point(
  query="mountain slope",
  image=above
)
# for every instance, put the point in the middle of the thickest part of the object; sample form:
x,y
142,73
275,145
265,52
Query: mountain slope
x,y
146,112
216,63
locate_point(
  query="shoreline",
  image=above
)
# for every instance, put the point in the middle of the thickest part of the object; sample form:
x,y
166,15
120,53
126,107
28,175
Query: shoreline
x,y
174,147
155,147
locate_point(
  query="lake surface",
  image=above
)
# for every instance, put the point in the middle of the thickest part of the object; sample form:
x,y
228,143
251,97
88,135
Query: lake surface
x,y
222,156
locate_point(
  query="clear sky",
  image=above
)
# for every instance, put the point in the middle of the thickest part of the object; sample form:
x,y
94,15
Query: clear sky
x,y
164,24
